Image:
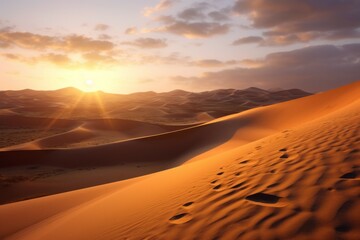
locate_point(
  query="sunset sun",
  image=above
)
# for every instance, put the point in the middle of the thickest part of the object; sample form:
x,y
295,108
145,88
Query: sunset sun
x,y
89,85
89,82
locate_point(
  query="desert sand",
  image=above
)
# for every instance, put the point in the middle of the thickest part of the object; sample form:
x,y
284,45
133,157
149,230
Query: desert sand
x,y
284,171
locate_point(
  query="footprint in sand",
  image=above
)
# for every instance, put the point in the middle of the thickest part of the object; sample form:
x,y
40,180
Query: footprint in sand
x,y
349,175
273,185
188,205
220,173
180,218
214,181
283,150
244,162
285,155
343,228
237,174
238,185
218,187
266,199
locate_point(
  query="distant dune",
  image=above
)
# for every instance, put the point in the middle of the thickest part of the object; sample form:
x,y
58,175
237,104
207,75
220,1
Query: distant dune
x,y
285,171
175,107
76,133
62,118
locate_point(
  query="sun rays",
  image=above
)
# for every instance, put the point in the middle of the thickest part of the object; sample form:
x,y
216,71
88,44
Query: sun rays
x,y
84,103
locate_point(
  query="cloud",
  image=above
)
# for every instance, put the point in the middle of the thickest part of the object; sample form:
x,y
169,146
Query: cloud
x,y
204,11
91,60
96,60
6,28
101,27
11,56
174,58
4,44
251,63
220,15
85,44
26,40
147,43
67,51
104,37
292,21
246,40
190,30
68,43
192,14
314,68
213,63
87,60
199,20
61,60
131,31
161,6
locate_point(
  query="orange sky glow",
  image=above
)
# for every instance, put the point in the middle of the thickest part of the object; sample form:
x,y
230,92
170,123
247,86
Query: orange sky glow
x,y
161,45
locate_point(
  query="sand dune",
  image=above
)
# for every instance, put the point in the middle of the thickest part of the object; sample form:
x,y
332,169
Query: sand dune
x,y
243,127
288,171
14,121
90,133
175,107
29,115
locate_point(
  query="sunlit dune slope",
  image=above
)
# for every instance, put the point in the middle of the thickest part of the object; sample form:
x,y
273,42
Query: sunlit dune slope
x,y
296,178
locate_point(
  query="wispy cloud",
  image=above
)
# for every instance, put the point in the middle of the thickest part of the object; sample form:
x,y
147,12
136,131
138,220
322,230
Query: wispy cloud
x,y
147,43
199,20
68,43
193,29
161,6
214,63
101,27
86,61
67,51
131,31
247,40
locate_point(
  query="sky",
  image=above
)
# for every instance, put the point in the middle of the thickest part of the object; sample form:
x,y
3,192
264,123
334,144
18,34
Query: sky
x,y
160,45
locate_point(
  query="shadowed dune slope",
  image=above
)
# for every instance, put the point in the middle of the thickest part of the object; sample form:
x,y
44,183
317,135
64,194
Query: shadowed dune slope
x,y
14,121
301,182
87,132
